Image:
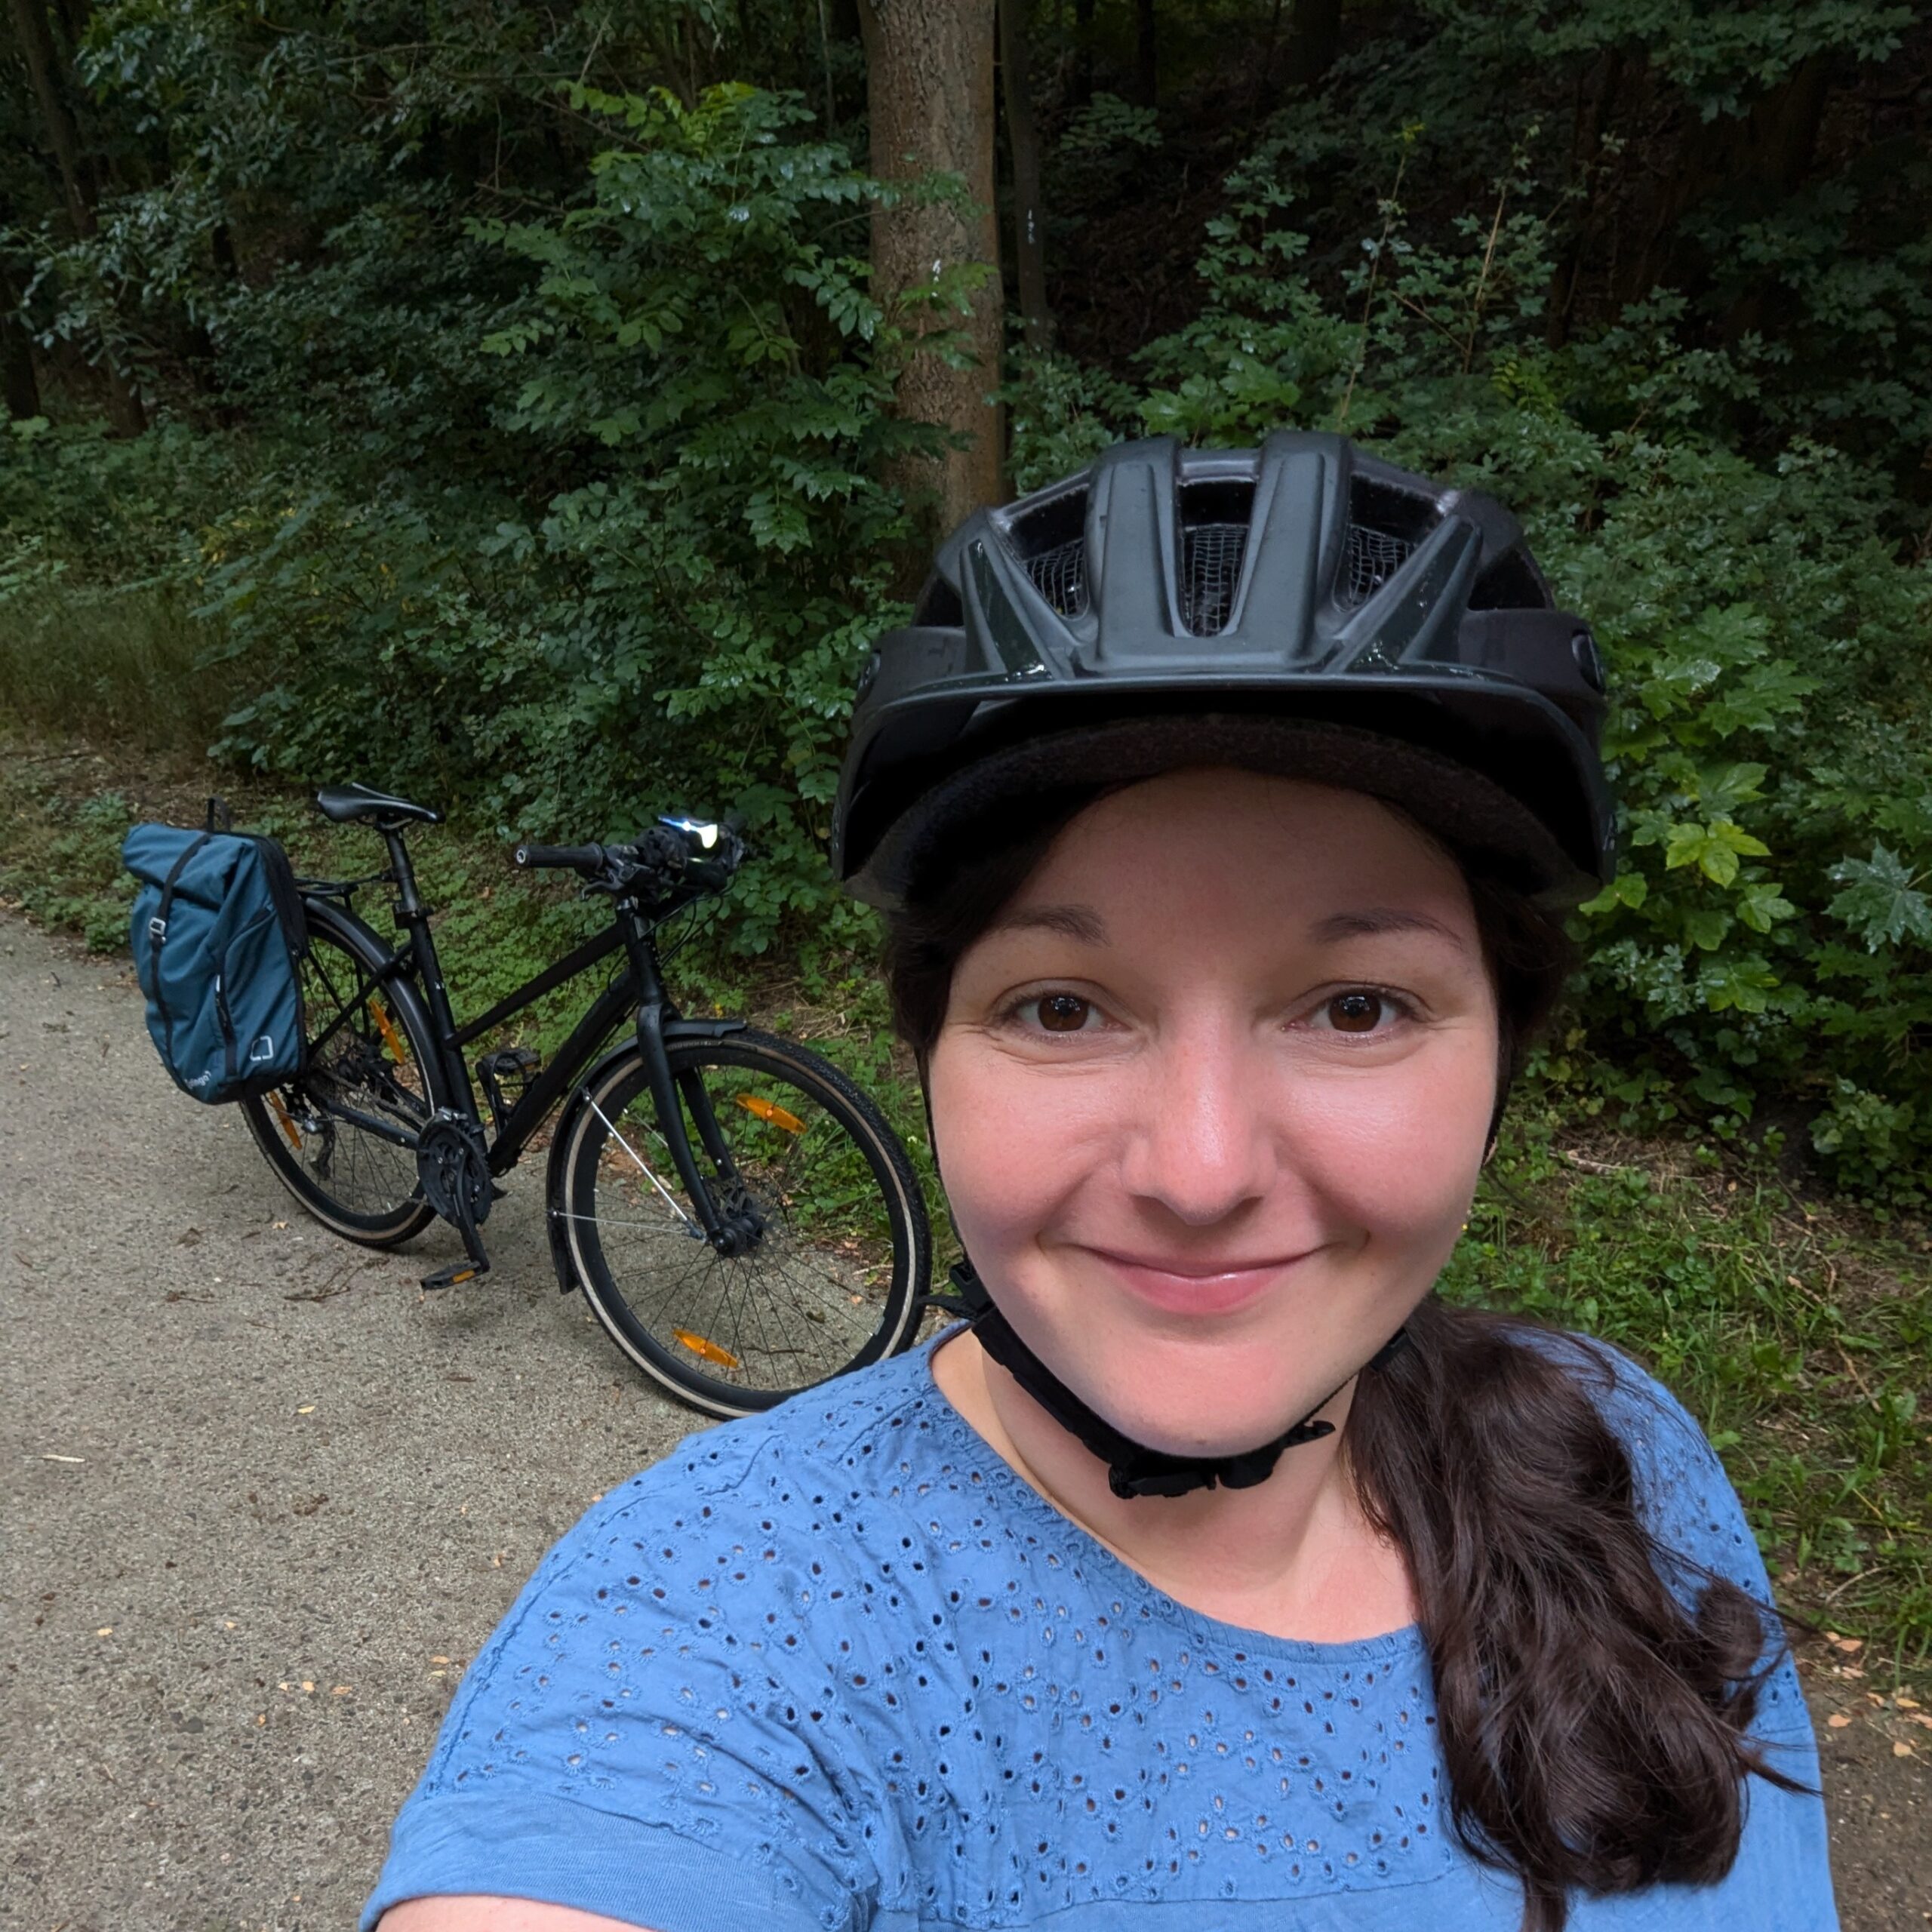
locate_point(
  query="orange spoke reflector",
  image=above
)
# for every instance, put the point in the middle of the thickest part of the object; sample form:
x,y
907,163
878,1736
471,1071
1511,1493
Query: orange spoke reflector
x,y
770,1110
391,1039
707,1351
287,1125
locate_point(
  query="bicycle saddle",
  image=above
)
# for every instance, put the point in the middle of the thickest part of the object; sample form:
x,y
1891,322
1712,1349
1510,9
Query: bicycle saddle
x,y
344,802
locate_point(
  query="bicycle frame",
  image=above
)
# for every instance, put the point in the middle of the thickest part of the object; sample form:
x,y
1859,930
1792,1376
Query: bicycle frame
x,y
640,991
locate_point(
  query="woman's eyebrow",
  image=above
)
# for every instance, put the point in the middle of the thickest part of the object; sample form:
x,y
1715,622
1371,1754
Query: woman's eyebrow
x,y
1382,919
1075,922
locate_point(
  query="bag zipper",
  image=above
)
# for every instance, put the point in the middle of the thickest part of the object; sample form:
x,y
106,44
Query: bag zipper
x,y
227,1018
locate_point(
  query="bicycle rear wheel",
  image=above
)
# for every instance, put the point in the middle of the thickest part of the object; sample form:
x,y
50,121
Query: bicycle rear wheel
x,y
828,1285
377,1061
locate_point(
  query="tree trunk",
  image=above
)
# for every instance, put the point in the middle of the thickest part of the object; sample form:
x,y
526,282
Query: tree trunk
x,y
62,137
1028,215
1146,58
77,184
1315,37
1082,90
930,69
22,384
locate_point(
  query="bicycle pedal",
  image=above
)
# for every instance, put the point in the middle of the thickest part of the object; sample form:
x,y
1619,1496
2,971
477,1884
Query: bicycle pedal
x,y
457,1272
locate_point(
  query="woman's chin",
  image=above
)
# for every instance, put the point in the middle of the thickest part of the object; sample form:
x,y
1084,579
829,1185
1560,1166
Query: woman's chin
x,y
1210,1416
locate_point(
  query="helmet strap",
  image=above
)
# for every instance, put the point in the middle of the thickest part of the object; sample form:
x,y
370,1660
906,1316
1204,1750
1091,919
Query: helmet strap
x,y
1133,1468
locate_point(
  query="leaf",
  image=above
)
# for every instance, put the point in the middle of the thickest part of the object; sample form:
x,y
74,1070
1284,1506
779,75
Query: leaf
x,y
1706,929
1881,901
1761,905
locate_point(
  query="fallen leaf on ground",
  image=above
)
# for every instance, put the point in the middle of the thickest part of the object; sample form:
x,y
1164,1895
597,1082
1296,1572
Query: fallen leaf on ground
x,y
308,1683
106,1630
1902,1749
1837,1720
308,1409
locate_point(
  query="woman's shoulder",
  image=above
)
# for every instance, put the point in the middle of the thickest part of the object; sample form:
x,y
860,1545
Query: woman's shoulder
x,y
1686,1497
784,1479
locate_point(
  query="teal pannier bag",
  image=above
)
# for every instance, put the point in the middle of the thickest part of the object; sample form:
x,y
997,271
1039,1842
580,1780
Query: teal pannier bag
x,y
218,933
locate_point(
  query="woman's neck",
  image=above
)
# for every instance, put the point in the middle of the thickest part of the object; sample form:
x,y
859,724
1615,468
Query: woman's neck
x,y
1293,1557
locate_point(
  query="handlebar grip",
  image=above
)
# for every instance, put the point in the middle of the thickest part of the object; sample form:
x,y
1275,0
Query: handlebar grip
x,y
567,858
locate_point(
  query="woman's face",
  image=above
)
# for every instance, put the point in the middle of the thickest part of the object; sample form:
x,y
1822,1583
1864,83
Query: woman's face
x,y
1210,1098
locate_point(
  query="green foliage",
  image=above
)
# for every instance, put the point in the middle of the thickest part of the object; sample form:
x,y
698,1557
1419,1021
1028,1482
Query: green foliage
x,y
67,871
698,382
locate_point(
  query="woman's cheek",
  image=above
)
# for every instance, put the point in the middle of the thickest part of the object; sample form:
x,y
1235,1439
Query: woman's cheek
x,y
1399,1154
1013,1140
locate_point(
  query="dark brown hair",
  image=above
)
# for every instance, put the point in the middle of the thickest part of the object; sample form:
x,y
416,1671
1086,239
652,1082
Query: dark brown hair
x,y
1594,1731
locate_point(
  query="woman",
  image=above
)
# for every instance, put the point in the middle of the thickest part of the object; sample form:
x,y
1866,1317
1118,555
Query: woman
x,y
1223,806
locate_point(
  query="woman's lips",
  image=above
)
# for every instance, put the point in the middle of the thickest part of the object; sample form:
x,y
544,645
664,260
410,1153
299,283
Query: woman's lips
x,y
1193,1287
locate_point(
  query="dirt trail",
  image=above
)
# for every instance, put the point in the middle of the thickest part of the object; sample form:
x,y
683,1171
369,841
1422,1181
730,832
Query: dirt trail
x,y
264,1500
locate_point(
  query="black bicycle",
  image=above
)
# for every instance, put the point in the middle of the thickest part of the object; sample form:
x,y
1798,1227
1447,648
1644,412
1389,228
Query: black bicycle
x,y
739,1216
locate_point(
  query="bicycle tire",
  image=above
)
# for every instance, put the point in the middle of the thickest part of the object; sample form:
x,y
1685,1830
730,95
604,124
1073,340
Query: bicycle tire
x,y
833,1284
382,1061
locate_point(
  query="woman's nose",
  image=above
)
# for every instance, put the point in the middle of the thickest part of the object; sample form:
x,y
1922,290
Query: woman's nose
x,y
1203,1144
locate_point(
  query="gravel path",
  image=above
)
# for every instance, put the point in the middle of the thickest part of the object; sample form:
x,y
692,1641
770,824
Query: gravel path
x,y
266,1499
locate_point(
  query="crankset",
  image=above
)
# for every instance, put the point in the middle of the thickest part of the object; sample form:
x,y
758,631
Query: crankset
x,y
453,1167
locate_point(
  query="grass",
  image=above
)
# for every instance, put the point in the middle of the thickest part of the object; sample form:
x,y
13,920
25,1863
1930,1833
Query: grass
x,y
127,664
1798,1331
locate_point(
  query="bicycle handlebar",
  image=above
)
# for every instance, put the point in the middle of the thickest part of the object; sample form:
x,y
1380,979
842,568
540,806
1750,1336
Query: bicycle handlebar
x,y
695,854
585,859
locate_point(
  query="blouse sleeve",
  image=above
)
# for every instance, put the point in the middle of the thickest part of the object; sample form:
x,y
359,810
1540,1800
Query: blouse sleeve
x,y
625,1745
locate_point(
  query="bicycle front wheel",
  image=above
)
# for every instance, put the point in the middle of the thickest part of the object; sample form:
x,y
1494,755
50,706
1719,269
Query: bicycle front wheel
x,y
790,1148
330,1134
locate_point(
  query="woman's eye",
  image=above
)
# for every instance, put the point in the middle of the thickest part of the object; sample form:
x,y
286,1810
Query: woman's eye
x,y
1062,1013
1358,1010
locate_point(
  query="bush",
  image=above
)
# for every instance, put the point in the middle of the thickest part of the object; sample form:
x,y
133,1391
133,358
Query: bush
x,y
695,349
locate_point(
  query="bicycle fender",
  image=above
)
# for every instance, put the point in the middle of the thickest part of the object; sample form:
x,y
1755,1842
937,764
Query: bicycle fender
x,y
675,1030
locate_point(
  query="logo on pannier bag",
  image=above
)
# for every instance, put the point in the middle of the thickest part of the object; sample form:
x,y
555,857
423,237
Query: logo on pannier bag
x,y
263,1050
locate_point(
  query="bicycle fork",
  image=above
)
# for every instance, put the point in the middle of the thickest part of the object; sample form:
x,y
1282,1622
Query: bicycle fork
x,y
733,1228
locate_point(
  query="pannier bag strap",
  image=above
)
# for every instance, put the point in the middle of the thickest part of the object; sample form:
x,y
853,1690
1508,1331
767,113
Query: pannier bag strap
x,y
157,925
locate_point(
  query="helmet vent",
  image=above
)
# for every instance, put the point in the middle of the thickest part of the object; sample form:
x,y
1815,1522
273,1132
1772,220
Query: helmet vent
x,y
1214,518
1371,558
1060,575
1210,570
1051,541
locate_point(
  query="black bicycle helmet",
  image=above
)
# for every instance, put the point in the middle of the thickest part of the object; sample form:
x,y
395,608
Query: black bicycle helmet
x,y
1303,608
